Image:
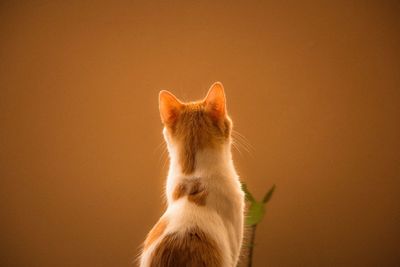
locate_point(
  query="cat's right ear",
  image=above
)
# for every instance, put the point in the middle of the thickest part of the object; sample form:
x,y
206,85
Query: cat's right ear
x,y
169,106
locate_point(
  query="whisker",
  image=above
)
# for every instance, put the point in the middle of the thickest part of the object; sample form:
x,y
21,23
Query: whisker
x,y
239,144
163,156
242,137
165,162
160,146
235,146
243,140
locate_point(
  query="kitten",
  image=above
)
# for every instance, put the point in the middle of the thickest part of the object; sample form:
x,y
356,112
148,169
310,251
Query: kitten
x,y
203,224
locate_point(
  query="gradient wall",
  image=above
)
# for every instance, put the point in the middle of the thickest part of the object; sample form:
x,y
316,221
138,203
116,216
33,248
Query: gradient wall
x,y
314,87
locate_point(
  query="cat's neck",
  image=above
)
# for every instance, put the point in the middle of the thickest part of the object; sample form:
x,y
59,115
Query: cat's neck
x,y
208,161
212,166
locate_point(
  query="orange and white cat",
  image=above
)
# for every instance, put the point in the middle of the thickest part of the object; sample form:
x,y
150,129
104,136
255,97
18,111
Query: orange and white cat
x,y
203,224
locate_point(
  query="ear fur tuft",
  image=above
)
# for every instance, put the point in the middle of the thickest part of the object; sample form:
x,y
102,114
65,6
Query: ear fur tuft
x,y
169,106
215,101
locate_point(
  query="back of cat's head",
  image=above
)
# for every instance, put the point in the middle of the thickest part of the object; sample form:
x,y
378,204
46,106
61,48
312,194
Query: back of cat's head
x,y
191,127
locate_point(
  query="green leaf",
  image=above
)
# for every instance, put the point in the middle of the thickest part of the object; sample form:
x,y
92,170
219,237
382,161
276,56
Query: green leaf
x,y
248,195
268,195
255,213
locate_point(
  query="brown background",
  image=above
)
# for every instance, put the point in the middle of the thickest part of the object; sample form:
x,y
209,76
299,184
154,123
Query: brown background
x,y
313,86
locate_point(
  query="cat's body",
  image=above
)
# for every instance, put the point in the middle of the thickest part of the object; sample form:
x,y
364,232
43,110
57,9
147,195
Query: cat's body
x,y
203,224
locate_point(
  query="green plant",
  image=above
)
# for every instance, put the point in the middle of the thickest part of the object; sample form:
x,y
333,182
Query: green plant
x,y
254,216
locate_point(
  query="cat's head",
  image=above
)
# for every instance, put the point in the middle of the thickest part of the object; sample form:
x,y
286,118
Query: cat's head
x,y
195,126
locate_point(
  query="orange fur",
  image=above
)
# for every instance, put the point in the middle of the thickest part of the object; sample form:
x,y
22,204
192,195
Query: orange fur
x,y
194,130
193,189
179,191
196,125
193,248
156,232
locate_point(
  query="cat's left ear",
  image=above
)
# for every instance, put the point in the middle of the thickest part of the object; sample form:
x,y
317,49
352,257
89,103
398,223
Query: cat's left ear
x,y
215,101
169,107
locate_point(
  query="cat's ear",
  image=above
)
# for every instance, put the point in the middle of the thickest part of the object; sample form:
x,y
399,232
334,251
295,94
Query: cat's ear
x,y
169,107
215,101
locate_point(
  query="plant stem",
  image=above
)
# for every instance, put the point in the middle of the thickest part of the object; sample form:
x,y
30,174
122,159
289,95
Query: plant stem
x,y
251,245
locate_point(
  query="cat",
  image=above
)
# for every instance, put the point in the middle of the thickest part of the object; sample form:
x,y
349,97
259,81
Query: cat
x,y
203,223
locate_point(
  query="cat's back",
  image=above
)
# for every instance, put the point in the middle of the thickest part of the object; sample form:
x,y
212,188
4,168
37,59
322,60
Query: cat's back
x,y
191,247
187,240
